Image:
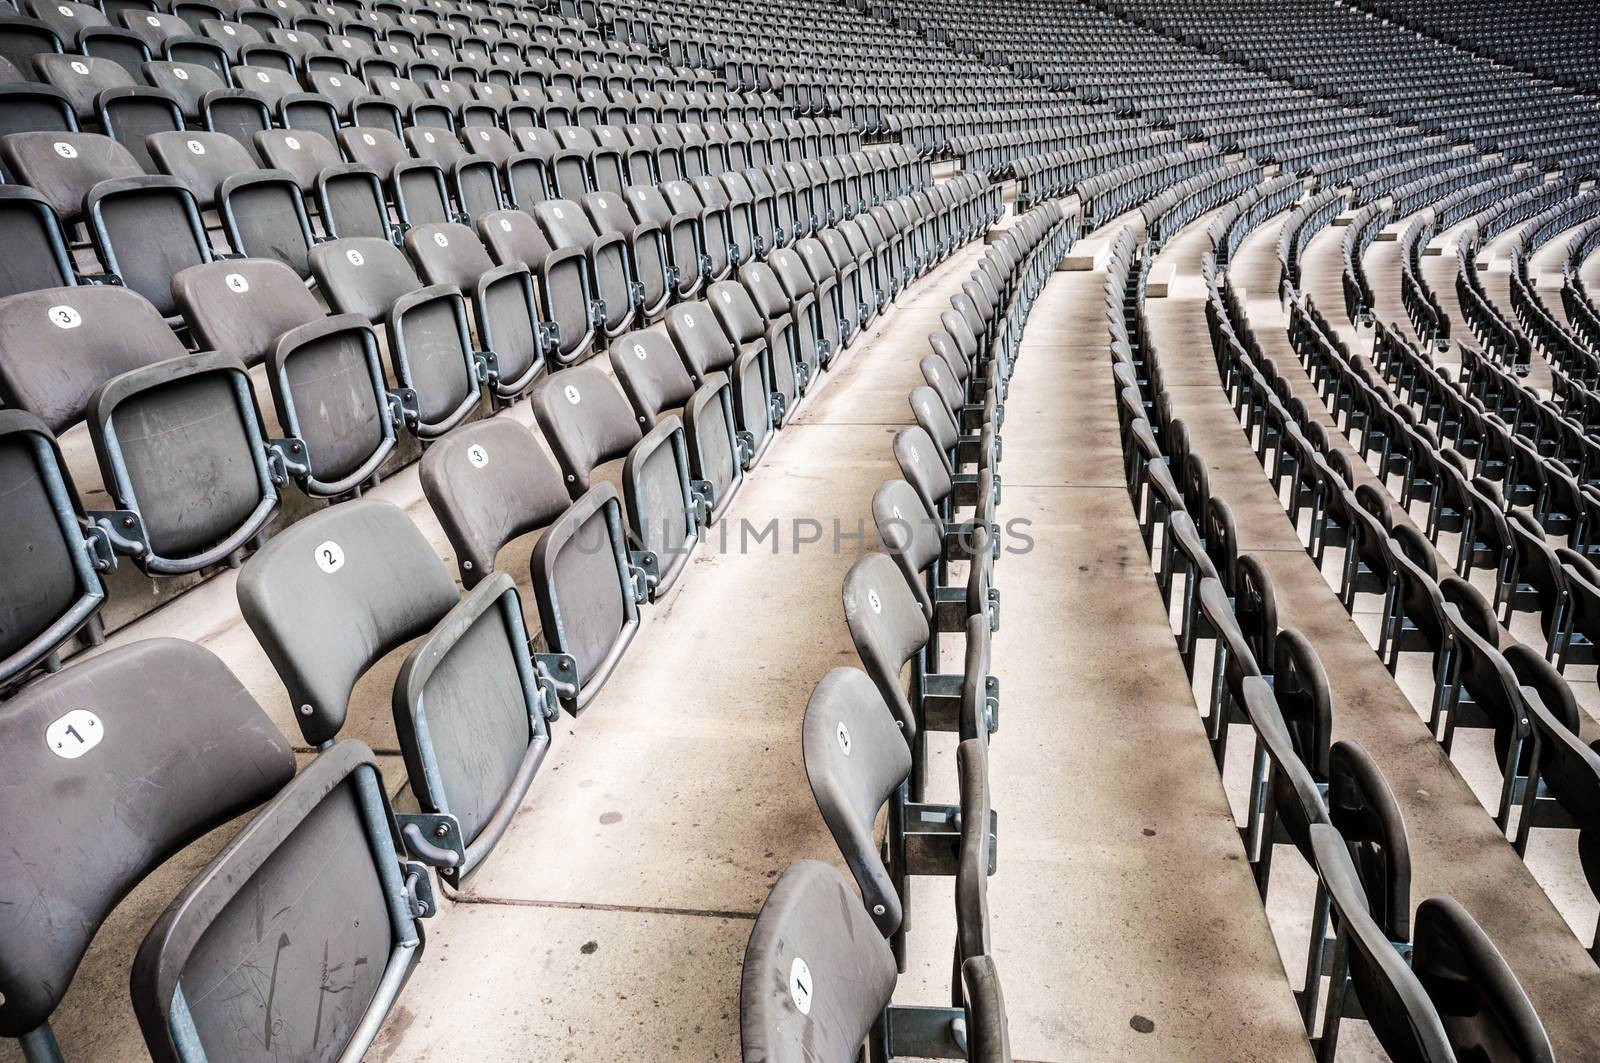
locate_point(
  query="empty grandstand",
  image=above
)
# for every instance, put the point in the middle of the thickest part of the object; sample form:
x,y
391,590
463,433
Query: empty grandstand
x,y
799,532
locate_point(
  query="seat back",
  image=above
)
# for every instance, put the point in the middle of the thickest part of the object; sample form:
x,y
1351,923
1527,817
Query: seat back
x,y
363,275
1396,1004
63,343
923,467
77,744
315,874
332,594
50,568
586,421
1485,1013
855,761
914,539
817,974
36,247
888,629
488,483
63,167
330,393
243,306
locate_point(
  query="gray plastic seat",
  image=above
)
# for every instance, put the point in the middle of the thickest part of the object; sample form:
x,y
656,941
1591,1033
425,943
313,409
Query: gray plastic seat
x,y
183,456
77,744
302,153
513,236
82,78
332,595
63,167
36,255
316,873
53,569
512,328
656,381
430,345
146,230
747,326
489,482
817,980
1457,996
707,350
201,160
649,271
889,632
916,541
63,343
565,225
690,267
588,423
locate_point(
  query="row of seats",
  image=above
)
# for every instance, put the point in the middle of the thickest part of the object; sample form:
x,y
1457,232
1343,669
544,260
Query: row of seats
x,y
327,884
1481,677
1432,986
104,354
834,957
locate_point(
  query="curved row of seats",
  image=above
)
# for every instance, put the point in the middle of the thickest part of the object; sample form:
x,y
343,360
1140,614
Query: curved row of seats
x,y
865,734
1406,975
680,419
544,290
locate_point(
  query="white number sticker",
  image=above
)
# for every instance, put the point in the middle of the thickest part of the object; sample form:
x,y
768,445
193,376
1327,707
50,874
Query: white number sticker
x,y
572,395
477,457
180,73
874,601
844,738
639,352
368,139
81,68
800,985
195,147
355,257
292,142
330,557
505,225
71,736
64,317
441,239
262,76
236,283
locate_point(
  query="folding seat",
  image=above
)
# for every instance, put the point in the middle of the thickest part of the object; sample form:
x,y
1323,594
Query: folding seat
x,y
588,424
239,113
923,466
857,763
614,301
757,321
793,328
890,632
430,346
22,37
303,155
264,216
472,707
649,271
513,236
37,254
492,143
815,940
656,380
512,329
55,565
416,186
489,483
918,545
1456,995
717,249
66,17
232,36
786,205
688,265
814,299
77,743
338,415
82,79
855,277
201,160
